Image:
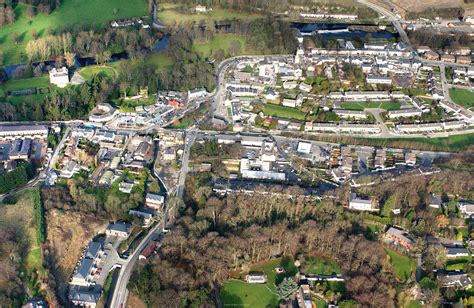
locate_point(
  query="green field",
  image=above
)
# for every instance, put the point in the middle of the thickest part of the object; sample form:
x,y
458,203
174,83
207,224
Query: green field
x,y
221,41
317,265
71,12
171,17
90,71
18,84
364,105
462,97
238,293
403,266
157,60
280,111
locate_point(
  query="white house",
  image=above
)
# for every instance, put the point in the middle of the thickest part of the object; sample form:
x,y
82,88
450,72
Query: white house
x,y
359,204
59,76
256,277
467,208
196,94
154,201
201,9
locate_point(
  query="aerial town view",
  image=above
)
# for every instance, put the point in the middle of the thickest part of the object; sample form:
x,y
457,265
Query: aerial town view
x,y
237,153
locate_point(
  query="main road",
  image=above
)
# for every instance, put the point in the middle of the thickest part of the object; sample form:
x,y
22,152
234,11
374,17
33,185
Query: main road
x,y
120,292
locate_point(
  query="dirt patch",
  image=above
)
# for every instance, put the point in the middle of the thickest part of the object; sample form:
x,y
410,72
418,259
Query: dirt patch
x,y
68,233
134,301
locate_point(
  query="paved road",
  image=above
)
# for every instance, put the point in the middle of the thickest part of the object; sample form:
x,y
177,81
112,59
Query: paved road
x,y
51,163
120,295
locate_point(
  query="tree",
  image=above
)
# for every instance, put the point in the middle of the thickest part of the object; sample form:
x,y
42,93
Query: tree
x,y
15,37
442,221
435,257
286,288
70,58
30,11
9,15
235,47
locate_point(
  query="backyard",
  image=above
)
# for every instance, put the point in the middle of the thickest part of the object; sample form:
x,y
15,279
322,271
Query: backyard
x,y
238,293
90,71
403,266
280,111
318,265
71,12
364,105
462,97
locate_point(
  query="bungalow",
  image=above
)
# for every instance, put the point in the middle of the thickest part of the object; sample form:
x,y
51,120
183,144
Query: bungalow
x,y
256,277
356,114
120,229
410,112
398,237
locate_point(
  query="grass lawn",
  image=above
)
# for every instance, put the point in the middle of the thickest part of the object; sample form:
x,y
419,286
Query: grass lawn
x,y
71,12
462,97
90,71
34,259
363,105
158,60
318,265
220,41
170,16
283,112
18,84
403,266
236,293
414,304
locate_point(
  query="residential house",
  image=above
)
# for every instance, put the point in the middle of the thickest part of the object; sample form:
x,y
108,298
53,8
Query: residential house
x,y
120,229
453,252
304,296
148,251
169,154
69,170
154,201
200,9
11,132
196,94
457,280
256,277
467,208
125,187
448,58
347,114
372,79
410,112
435,201
362,204
398,237
59,76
